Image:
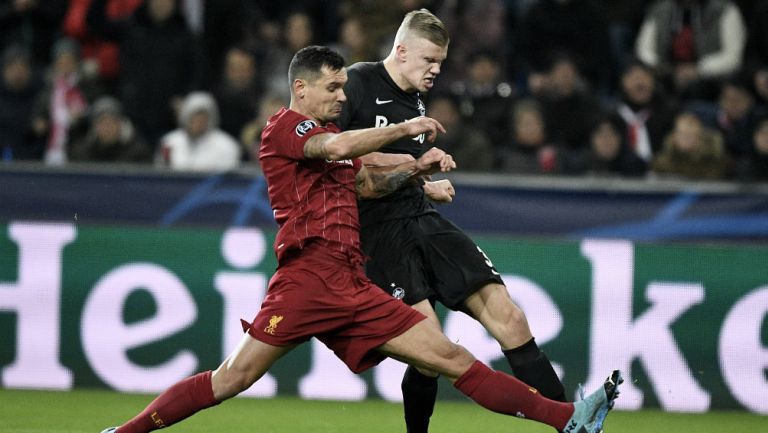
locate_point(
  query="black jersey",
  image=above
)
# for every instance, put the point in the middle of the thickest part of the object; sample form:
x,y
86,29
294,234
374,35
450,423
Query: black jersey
x,y
374,100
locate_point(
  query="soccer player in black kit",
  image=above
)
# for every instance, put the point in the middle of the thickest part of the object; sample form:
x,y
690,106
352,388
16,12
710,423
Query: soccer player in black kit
x,y
416,254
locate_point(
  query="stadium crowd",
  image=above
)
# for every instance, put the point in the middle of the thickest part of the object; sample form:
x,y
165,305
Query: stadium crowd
x,y
634,88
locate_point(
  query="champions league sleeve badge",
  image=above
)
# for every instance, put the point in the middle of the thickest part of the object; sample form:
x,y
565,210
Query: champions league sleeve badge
x,y
304,127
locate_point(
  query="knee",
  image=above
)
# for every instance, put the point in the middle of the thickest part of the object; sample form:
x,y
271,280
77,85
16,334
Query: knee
x,y
503,317
456,360
514,317
458,353
494,308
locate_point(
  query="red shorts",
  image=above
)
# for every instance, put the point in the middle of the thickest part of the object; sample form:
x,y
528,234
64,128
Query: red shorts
x,y
322,294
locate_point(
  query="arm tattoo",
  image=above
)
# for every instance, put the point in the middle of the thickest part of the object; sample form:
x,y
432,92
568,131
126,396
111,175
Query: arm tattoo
x,y
314,148
373,182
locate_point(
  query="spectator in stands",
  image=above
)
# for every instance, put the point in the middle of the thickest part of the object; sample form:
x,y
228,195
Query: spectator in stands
x,y
381,18
756,51
297,33
237,95
18,90
529,151
354,43
324,15
198,144
484,98
111,136
32,24
624,19
159,62
568,105
476,26
250,138
217,25
466,142
753,167
63,104
575,28
608,153
692,151
647,111
693,43
100,56
735,115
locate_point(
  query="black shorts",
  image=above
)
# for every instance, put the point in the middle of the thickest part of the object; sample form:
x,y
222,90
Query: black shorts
x,y
426,257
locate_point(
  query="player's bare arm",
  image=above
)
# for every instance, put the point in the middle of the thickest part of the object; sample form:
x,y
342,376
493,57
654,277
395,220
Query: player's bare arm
x,y
440,191
374,182
352,144
378,159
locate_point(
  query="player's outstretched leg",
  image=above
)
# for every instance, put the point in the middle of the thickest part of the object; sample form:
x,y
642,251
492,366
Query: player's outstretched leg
x,y
589,413
244,366
419,396
505,394
176,403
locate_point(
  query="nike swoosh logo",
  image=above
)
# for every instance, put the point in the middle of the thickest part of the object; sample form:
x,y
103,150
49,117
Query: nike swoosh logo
x,y
379,101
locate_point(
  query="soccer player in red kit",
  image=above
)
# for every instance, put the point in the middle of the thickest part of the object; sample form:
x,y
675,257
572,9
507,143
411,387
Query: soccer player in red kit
x,y
320,289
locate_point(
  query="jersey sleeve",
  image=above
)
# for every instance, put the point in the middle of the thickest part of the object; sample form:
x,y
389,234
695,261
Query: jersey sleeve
x,y
353,89
294,136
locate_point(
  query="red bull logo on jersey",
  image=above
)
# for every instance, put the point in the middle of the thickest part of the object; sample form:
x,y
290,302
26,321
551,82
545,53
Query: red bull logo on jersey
x,y
382,121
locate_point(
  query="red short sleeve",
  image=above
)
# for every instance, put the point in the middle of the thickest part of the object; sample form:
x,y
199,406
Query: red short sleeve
x,y
287,133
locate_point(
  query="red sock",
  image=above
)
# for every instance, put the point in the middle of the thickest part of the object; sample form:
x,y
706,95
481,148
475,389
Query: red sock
x,y
180,401
503,393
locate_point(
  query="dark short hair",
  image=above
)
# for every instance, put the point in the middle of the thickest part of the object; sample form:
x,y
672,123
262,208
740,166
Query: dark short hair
x,y
308,62
635,62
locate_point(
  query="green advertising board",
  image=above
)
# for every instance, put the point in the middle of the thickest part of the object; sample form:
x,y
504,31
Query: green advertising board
x,y
137,309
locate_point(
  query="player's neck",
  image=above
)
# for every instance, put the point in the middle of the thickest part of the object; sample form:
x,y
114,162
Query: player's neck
x,y
390,65
298,108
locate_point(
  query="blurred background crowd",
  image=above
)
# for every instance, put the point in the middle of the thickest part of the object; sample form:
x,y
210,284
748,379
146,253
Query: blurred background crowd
x,y
629,88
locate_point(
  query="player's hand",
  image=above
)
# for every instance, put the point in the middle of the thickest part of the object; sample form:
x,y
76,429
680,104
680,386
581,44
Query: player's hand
x,y
435,160
423,125
440,191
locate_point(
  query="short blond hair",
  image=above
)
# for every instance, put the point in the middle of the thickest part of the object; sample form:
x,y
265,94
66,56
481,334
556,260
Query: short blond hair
x,y
424,24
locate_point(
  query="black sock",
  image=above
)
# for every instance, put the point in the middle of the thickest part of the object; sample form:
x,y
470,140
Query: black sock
x,y
532,366
419,395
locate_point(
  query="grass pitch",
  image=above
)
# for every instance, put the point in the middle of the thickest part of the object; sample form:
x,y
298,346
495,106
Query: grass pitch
x,y
89,411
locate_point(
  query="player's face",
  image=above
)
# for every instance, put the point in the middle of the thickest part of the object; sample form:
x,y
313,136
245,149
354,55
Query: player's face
x,y
422,62
325,96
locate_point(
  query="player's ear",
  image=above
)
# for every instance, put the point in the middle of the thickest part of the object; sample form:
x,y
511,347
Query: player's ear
x,y
299,87
401,52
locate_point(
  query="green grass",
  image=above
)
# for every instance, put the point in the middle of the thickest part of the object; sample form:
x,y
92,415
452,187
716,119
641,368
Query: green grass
x,y
89,411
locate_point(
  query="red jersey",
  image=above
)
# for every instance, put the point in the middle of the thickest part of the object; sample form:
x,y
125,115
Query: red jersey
x,y
311,199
